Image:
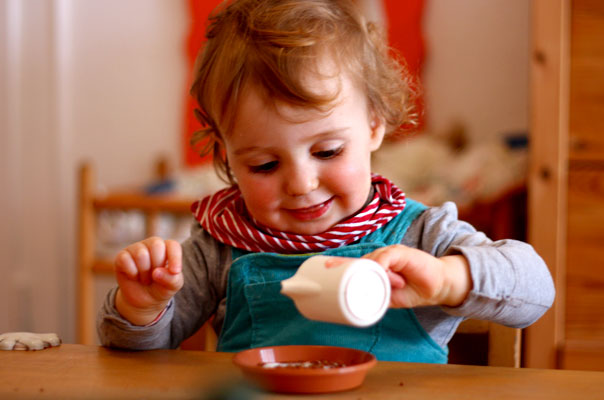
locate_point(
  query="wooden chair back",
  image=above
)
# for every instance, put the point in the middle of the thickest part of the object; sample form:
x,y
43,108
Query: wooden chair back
x,y
500,347
91,204
503,343
486,343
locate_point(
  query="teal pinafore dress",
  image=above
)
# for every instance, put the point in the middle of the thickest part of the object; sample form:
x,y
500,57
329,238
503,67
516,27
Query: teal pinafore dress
x,y
258,315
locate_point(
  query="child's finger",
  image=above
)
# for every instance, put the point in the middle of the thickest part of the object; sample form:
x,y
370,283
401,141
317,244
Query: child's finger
x,y
386,257
396,281
403,298
140,254
157,251
174,256
393,259
169,282
125,264
396,258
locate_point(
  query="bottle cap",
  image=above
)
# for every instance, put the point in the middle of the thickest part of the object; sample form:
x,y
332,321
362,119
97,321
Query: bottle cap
x,y
366,293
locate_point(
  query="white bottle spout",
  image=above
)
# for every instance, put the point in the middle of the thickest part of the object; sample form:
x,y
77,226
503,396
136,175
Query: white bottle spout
x,y
299,287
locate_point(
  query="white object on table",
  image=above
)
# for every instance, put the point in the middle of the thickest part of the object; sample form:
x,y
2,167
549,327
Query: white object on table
x,y
28,341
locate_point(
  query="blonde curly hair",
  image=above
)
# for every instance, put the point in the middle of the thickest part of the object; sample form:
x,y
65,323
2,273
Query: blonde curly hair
x,y
274,44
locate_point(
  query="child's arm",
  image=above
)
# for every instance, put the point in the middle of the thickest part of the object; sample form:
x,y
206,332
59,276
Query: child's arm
x,y
420,279
511,284
148,273
205,265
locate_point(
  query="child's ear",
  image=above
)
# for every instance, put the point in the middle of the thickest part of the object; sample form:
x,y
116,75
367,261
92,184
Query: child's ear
x,y
377,126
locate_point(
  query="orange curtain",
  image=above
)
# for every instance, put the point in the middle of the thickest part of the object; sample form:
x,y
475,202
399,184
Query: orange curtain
x,y
405,35
200,11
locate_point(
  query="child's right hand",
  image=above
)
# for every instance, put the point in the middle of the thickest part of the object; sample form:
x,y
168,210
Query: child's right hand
x,y
148,273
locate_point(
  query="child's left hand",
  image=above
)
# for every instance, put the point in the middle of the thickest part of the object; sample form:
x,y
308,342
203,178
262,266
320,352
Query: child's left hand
x,y
420,279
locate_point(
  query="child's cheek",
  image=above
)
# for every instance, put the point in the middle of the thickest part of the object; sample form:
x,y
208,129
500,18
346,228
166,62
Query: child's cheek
x,y
351,181
259,193
348,174
255,187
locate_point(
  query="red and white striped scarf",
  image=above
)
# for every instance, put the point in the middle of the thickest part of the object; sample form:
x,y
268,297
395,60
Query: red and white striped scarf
x,y
225,217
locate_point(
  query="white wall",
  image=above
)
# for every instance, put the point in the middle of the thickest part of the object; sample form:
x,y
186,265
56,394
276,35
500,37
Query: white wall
x,y
477,66
127,84
104,81
80,79
32,235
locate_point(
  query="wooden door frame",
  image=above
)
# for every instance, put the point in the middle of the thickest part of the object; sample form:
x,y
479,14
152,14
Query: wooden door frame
x,y
550,67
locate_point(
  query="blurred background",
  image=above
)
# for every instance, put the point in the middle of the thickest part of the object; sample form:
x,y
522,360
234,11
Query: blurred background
x,y
106,83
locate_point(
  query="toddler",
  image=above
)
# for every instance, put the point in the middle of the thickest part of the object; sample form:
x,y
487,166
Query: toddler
x,y
294,96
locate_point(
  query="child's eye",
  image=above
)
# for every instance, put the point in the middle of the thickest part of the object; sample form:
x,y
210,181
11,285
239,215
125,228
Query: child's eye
x,y
264,168
327,154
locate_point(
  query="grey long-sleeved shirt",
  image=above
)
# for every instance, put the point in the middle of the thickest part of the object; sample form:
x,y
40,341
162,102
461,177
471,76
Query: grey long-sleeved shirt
x,y
511,285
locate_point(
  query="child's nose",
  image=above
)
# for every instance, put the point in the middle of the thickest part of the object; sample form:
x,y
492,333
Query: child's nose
x,y
300,181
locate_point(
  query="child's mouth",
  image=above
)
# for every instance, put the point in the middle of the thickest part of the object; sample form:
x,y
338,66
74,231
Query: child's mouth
x,y
312,212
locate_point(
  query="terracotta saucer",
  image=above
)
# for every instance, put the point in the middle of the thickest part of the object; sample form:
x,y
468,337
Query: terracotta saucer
x,y
278,368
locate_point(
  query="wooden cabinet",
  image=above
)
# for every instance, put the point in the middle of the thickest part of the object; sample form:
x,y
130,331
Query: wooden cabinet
x,y
586,105
566,183
584,312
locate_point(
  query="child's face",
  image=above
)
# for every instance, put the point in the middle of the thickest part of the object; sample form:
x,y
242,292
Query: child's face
x,y
300,170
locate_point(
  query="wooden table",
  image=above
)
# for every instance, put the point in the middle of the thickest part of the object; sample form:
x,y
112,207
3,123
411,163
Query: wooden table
x,y
90,372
